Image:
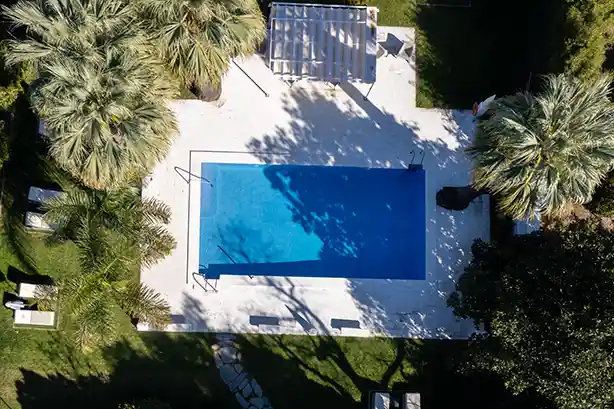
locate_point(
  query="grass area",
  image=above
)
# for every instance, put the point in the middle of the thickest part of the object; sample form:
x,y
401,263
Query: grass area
x,y
174,368
19,347
340,372
295,372
466,54
42,368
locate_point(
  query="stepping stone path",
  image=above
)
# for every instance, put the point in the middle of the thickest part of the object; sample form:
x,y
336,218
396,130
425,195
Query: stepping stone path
x,y
228,361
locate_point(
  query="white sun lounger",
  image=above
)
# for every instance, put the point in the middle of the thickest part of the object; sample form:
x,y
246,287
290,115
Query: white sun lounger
x,y
36,220
39,195
27,290
411,401
38,318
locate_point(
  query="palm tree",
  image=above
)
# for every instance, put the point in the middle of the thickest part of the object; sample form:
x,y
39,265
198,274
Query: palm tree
x,y
548,151
101,92
115,233
119,212
198,38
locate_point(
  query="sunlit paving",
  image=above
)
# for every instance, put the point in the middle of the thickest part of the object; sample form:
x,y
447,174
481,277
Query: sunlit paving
x,y
308,206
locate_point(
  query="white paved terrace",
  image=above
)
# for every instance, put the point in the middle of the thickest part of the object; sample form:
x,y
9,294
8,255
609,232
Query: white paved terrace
x,y
314,123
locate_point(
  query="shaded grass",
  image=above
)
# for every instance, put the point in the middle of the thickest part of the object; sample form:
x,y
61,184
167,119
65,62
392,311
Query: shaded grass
x,y
177,369
294,372
466,54
341,372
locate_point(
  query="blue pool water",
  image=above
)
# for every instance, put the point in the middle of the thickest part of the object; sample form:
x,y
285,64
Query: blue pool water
x,y
312,221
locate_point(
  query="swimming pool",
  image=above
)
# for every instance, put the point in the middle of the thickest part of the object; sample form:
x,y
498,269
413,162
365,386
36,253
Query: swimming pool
x,y
312,221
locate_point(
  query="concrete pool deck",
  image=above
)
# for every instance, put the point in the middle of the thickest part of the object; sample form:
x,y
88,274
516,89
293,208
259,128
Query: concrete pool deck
x,y
316,124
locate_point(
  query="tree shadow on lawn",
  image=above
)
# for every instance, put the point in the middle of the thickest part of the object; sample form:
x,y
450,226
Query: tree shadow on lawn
x,y
296,371
25,167
175,368
493,47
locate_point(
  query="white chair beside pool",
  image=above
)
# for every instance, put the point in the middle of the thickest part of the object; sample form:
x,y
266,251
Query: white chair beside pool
x,y
381,401
385,400
37,221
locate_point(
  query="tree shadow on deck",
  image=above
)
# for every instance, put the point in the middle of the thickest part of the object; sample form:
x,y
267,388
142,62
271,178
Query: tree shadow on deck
x,y
342,128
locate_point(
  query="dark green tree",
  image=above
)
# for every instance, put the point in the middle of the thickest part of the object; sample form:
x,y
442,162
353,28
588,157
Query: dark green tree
x,y
544,304
589,36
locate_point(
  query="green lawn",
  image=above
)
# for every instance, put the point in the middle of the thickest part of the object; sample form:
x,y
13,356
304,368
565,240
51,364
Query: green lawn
x,y
41,369
46,372
295,372
19,348
340,372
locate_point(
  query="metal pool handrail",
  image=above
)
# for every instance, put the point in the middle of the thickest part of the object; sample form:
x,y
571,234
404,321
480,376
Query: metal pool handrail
x,y
230,258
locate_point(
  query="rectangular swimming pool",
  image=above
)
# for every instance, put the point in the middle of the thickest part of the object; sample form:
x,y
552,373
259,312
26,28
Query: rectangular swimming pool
x,y
312,221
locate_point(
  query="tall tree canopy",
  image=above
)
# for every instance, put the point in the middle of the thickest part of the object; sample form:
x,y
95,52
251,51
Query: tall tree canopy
x,y
198,38
116,233
100,91
546,302
546,151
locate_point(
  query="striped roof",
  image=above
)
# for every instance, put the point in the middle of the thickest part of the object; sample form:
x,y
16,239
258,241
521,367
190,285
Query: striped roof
x,y
322,42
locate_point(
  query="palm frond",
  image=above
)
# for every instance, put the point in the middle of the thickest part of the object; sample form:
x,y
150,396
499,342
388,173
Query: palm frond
x,y
104,93
156,211
546,151
199,39
140,301
95,323
47,297
156,243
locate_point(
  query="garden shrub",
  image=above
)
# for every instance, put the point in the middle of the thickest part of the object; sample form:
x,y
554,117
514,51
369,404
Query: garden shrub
x,y
589,34
4,144
603,198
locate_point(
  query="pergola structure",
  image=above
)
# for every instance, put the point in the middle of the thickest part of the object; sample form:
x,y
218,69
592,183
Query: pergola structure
x,y
328,43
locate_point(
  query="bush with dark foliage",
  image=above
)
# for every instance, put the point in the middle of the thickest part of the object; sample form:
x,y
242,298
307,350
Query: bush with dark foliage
x,y
545,303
